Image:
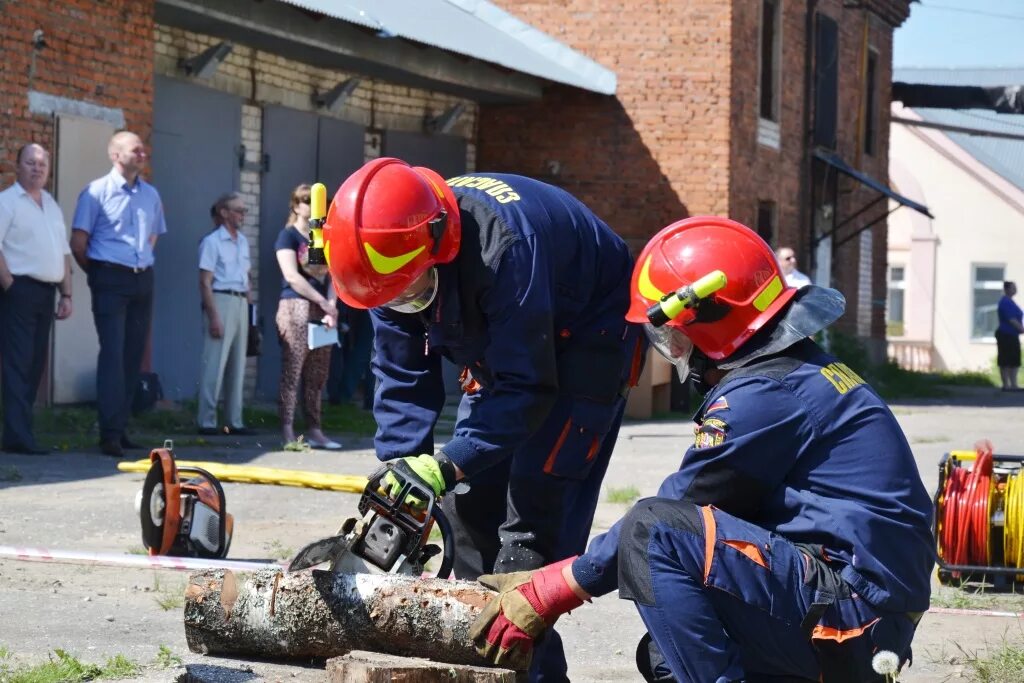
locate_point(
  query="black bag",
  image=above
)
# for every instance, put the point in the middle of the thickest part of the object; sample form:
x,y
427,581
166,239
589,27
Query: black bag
x,y
254,345
147,392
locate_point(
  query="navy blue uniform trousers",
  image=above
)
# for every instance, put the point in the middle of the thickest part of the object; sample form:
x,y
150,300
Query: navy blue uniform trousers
x,y
516,516
725,600
122,307
26,317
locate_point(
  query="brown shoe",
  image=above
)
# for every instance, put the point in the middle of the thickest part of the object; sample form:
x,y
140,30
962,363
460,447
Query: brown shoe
x,y
112,448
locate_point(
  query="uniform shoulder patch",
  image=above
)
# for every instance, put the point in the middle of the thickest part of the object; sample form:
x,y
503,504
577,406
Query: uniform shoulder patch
x,y
710,432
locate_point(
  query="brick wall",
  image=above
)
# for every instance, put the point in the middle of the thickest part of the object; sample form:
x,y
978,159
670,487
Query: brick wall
x,y
657,151
96,53
681,135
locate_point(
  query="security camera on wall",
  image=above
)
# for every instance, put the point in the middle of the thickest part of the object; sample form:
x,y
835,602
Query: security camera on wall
x,y
38,39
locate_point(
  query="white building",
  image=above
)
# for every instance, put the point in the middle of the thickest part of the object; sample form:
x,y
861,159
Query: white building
x,y
946,274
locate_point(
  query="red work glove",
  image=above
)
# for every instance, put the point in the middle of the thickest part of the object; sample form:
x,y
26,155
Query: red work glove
x,y
527,603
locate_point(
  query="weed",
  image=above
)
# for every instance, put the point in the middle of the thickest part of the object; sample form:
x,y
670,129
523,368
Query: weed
x,y
626,494
165,659
279,551
137,550
1001,664
66,668
929,439
297,446
168,597
9,473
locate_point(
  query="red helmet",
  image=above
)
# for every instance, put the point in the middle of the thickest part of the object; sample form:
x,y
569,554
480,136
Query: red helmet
x,y
388,224
754,293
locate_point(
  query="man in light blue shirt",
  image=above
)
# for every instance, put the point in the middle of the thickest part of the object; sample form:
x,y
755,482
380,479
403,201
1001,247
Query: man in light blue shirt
x,y
224,289
116,224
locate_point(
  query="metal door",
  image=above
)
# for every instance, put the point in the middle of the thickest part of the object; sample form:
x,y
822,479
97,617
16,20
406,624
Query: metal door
x,y
196,134
81,156
445,154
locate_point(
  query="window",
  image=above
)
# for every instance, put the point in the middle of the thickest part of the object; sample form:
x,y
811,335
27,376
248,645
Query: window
x,y
897,286
766,221
769,76
988,289
871,103
826,80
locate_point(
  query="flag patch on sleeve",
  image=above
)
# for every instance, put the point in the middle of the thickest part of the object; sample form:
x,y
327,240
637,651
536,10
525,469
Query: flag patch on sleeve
x,y
718,404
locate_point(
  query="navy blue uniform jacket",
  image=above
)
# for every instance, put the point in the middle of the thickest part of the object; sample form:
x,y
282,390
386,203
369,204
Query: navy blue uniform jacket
x,y
800,446
534,305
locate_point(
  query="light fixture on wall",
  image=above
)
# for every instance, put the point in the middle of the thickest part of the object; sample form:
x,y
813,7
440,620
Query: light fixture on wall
x,y
445,121
333,99
205,64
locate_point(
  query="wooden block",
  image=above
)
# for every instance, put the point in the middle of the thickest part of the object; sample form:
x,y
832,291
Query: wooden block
x,y
359,666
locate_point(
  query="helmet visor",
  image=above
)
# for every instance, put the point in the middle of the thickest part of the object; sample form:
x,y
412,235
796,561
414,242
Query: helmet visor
x,y
417,296
673,345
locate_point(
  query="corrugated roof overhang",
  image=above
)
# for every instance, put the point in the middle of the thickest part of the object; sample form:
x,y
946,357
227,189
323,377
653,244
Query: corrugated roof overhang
x,y
469,48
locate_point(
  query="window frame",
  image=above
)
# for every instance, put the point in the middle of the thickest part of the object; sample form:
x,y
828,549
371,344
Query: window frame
x,y
771,207
996,285
872,94
768,127
892,285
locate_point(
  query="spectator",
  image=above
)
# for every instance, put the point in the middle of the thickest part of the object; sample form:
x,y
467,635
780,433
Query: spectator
x,y
225,292
116,224
34,261
787,261
1008,337
306,296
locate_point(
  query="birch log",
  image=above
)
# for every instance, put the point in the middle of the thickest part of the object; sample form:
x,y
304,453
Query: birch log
x,y
268,613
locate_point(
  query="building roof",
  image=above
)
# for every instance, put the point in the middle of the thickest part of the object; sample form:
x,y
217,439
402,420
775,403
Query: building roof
x,y
1005,157
473,28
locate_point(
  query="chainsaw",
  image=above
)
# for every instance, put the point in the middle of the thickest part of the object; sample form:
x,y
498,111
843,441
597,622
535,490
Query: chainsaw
x,y
392,533
186,518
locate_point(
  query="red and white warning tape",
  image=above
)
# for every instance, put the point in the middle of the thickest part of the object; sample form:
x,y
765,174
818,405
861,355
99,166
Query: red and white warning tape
x,y
119,560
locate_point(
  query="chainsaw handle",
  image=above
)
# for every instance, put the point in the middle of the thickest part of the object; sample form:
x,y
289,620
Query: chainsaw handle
x,y
448,539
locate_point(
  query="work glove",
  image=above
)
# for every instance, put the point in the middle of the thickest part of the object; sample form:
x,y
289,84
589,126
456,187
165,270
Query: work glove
x,y
527,603
431,470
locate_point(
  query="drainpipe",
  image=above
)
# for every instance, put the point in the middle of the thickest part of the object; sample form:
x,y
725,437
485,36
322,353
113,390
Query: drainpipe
x,y
806,196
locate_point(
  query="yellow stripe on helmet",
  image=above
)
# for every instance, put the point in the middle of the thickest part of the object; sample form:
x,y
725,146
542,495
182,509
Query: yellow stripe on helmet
x,y
768,294
647,288
385,265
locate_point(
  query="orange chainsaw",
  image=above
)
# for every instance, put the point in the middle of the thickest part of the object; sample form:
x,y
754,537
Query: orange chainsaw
x,y
186,518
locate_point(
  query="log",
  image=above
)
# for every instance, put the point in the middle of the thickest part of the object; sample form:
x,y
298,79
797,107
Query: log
x,y
269,613
371,667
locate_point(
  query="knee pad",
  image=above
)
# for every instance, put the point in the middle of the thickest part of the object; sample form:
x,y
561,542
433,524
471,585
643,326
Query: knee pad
x,y
635,537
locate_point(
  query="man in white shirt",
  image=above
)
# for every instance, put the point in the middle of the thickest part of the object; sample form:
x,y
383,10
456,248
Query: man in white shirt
x,y
35,262
224,289
787,262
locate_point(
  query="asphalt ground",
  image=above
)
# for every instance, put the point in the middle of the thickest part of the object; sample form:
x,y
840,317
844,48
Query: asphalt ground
x,y
80,501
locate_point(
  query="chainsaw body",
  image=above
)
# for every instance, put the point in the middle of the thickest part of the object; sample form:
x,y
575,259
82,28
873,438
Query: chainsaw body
x,y
392,533
182,517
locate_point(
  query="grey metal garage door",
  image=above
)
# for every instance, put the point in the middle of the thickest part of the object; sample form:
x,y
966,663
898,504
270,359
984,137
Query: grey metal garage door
x,y
301,147
196,133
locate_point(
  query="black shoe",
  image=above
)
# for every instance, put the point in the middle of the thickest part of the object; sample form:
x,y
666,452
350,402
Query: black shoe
x,y
239,431
209,431
112,448
128,443
27,450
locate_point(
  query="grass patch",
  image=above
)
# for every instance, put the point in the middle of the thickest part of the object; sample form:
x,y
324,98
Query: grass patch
x,y
1002,664
297,446
279,551
66,668
625,494
929,439
976,597
74,427
165,659
9,473
892,381
168,597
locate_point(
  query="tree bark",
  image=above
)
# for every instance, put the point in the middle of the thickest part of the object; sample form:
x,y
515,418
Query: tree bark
x,y
370,667
268,613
